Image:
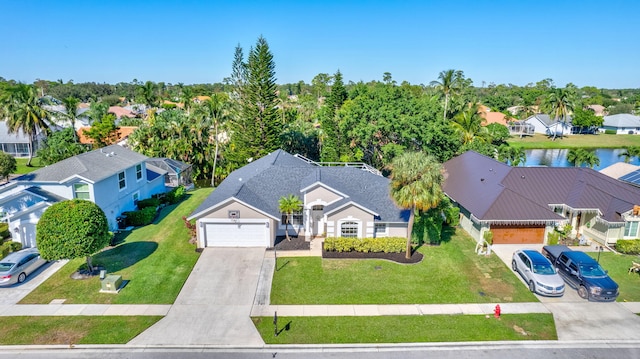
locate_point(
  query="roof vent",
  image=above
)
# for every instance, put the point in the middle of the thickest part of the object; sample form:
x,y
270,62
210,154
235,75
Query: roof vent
x,y
522,176
481,179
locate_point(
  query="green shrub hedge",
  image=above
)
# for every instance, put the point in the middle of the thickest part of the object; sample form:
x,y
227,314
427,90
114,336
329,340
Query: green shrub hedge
x,y
175,195
628,246
376,245
141,217
610,132
149,202
4,231
8,247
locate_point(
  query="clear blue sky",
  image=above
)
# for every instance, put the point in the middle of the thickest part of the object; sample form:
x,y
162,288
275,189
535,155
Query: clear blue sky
x,y
595,43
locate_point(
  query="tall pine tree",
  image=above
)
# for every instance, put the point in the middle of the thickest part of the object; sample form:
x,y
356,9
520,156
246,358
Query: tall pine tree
x,y
330,151
257,128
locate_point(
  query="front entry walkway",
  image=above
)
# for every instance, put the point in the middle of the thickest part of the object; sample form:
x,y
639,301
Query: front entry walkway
x,y
214,306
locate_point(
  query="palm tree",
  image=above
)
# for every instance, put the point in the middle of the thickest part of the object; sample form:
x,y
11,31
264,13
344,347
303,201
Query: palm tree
x,y
22,109
149,93
449,84
630,152
187,98
415,185
71,113
580,156
469,123
561,102
511,155
214,112
288,205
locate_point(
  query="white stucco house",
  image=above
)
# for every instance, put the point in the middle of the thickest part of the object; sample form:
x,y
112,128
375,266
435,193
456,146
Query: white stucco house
x,y
113,177
622,124
546,125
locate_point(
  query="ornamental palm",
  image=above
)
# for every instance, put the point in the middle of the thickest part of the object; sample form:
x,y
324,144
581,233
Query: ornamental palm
x,y
449,84
630,152
288,205
561,102
415,185
469,123
214,112
22,109
580,156
71,113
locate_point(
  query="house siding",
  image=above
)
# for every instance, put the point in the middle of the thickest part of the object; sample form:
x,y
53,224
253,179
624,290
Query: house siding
x,y
320,195
350,213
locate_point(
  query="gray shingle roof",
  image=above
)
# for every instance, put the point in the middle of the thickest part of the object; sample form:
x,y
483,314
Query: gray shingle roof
x,y
525,193
263,182
168,164
93,166
622,120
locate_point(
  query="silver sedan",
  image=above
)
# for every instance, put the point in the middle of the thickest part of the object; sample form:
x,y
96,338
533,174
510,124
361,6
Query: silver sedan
x,y
538,272
15,267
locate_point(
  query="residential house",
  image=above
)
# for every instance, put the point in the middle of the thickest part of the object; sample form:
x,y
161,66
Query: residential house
x,y
524,204
17,144
348,201
177,174
546,125
622,124
121,137
113,177
598,110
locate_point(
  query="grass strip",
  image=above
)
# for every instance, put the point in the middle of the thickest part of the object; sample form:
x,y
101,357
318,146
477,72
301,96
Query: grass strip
x,y
72,329
406,329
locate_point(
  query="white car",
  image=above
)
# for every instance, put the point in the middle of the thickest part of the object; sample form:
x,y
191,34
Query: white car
x,y
15,267
538,272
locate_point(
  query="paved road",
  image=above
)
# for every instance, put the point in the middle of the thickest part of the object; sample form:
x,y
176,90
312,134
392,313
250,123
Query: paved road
x,y
214,305
15,293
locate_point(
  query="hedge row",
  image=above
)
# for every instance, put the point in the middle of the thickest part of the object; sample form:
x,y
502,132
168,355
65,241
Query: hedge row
x,y
149,202
4,231
8,247
628,246
141,217
380,244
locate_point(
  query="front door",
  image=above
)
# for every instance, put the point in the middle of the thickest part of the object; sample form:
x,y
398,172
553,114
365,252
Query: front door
x,y
317,212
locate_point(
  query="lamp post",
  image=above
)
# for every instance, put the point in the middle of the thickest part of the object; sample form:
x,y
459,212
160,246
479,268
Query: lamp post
x,y
599,251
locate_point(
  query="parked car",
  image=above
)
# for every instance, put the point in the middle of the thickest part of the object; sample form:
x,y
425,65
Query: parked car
x,y
583,273
537,271
15,267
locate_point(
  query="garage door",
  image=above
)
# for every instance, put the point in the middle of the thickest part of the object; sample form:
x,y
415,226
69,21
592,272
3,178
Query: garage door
x,y
517,235
252,234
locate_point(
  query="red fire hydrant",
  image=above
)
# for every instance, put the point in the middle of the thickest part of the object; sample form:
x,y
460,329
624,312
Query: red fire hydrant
x,y
496,312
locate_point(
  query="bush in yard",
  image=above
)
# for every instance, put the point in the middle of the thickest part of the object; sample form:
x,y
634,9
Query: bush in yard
x,y
175,195
72,229
628,246
141,217
8,247
8,165
149,202
4,231
365,245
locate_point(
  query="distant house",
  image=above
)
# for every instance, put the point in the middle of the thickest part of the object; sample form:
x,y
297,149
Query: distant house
x,y
598,110
622,124
112,177
492,116
546,125
522,205
17,144
121,138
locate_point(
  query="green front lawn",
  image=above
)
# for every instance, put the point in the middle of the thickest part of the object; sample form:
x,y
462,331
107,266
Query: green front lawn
x,y
72,330
22,165
618,267
449,273
155,260
406,329
576,141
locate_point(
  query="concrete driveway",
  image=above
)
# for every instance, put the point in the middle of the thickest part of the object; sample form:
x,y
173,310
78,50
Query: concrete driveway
x,y
576,318
13,294
214,305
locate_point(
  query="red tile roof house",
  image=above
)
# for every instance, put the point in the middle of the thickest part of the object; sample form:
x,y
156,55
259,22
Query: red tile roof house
x,y
524,204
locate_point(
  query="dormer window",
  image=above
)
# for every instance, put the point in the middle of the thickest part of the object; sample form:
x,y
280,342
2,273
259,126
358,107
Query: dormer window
x,y
122,183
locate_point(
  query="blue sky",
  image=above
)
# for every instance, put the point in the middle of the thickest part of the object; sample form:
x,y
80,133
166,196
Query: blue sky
x,y
588,43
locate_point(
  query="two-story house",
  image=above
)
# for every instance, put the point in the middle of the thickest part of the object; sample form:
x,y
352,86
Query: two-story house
x,y
113,177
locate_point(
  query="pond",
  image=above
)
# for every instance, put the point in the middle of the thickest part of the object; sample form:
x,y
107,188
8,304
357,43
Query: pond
x,y
558,157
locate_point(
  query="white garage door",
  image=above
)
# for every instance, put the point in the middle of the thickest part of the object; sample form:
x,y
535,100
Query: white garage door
x,y
252,234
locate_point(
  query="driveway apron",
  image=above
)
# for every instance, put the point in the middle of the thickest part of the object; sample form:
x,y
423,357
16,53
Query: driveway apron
x,y
214,305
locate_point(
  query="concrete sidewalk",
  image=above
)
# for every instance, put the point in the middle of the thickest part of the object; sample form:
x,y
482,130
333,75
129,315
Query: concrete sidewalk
x,y
83,309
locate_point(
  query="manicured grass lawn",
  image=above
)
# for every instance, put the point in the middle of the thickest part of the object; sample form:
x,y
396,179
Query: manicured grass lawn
x,y
22,165
449,273
618,267
406,329
72,330
575,141
155,260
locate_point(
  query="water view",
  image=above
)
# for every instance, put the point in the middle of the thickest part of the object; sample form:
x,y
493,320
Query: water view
x,y
558,158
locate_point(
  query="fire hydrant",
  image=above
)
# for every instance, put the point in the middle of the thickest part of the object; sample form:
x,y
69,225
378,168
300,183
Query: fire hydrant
x,y
496,312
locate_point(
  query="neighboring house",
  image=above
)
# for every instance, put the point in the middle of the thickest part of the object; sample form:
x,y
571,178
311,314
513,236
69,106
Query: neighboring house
x,y
619,169
177,173
346,201
521,128
17,144
491,116
546,125
524,204
113,177
622,124
598,110
122,135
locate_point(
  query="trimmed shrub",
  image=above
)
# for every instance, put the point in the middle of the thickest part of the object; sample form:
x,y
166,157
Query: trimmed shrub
x,y
610,132
8,247
628,246
365,245
4,231
553,238
149,202
175,195
141,217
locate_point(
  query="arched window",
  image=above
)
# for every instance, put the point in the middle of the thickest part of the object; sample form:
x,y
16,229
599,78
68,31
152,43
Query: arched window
x,y
349,229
